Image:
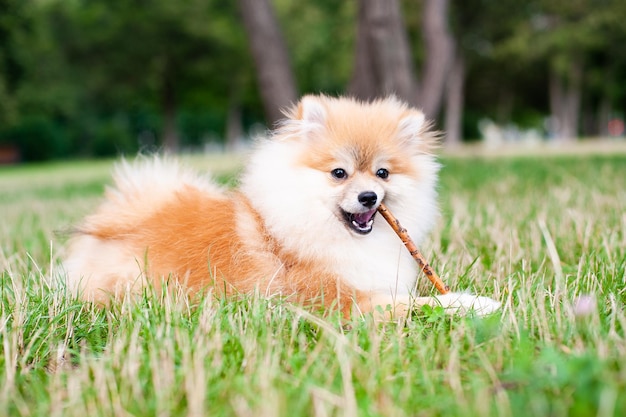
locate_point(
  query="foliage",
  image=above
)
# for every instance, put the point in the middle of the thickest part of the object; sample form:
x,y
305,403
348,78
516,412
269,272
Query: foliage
x,y
107,61
140,66
38,139
320,35
559,34
166,354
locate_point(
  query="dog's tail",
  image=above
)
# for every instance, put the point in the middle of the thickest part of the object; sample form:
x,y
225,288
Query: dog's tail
x,y
102,257
141,187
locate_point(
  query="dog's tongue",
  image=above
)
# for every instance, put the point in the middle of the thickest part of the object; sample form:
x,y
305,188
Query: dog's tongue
x,y
363,218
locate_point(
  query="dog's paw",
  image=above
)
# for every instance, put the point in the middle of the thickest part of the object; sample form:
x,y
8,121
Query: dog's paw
x,y
461,303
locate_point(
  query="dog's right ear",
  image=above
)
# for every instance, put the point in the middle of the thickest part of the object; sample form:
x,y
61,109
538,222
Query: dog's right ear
x,y
305,120
311,113
311,110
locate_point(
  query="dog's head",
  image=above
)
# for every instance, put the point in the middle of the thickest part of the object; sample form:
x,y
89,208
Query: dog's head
x,y
366,153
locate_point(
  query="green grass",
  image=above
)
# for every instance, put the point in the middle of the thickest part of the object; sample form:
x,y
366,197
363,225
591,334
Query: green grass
x,y
535,233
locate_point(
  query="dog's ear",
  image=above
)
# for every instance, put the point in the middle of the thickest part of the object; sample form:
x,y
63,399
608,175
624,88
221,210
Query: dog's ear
x,y
311,112
415,132
304,120
411,125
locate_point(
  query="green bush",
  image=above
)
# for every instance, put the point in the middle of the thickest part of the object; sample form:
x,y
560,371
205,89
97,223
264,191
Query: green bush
x,y
110,139
37,138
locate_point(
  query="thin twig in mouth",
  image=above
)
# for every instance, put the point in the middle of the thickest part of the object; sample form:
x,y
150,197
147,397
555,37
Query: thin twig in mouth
x,y
410,246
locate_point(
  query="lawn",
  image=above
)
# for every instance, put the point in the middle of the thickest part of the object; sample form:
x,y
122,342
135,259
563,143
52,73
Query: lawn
x,y
546,235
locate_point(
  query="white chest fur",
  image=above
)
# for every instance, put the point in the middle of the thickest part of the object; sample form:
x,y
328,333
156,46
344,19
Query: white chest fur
x,y
377,262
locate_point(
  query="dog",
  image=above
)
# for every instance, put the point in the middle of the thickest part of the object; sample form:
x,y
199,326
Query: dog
x,y
301,225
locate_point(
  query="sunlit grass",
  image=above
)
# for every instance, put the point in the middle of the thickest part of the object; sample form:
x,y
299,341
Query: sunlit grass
x,y
546,236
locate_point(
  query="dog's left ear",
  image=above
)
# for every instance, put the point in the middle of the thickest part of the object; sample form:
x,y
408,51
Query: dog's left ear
x,y
415,133
311,116
311,110
411,126
305,120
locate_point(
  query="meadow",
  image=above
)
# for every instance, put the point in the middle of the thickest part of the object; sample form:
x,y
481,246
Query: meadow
x,y
544,234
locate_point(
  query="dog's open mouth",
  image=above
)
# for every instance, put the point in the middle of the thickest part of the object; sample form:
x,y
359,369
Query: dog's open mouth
x,y
360,222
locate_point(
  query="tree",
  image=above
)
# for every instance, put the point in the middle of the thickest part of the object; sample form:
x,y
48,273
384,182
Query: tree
x,y
147,53
439,48
604,83
475,29
570,41
102,76
564,37
383,62
320,38
14,21
455,99
274,74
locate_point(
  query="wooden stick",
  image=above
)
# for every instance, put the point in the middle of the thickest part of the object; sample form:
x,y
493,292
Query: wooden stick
x,y
415,253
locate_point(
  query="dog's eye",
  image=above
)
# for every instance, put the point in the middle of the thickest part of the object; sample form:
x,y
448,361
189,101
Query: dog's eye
x,y
382,173
339,173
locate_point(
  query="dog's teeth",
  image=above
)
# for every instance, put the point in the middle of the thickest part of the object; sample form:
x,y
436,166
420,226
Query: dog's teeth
x,y
360,226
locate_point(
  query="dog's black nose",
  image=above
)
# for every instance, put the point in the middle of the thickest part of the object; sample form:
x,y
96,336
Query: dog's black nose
x,y
368,198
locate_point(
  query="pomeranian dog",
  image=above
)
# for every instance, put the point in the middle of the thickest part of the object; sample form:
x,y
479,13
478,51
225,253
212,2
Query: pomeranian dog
x,y
302,225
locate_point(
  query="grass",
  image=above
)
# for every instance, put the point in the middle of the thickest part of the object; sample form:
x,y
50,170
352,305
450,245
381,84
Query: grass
x,y
545,235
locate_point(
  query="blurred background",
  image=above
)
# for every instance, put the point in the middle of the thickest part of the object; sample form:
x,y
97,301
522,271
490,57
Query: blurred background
x,y
96,78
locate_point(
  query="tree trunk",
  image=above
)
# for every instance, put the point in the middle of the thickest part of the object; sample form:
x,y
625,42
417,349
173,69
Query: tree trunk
x,y
234,126
171,140
454,102
604,117
363,82
275,77
439,45
565,94
383,56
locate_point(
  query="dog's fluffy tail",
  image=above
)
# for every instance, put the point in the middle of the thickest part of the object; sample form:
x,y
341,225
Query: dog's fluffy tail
x,y
141,187
101,258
